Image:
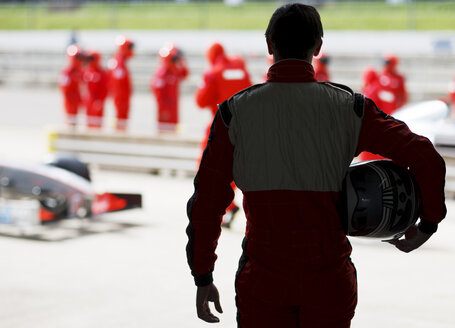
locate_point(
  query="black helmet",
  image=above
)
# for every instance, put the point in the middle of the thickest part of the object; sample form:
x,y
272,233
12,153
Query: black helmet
x,y
69,162
380,199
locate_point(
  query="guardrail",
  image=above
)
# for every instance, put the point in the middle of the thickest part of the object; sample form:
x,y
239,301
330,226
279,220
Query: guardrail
x,y
167,154
150,153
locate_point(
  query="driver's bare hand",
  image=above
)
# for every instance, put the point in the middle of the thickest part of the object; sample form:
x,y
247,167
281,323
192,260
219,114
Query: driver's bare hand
x,y
205,295
413,238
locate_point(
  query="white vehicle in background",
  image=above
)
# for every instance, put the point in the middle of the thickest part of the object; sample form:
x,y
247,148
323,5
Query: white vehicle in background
x,y
427,118
432,120
37,193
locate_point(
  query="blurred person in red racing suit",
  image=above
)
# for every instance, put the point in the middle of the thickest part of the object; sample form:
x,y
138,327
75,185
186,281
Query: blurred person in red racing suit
x,y
225,76
287,144
95,79
69,83
165,86
370,85
321,67
392,89
269,60
452,98
120,87
371,89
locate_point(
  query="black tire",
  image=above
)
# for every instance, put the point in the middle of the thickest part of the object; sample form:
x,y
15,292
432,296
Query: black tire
x,y
57,206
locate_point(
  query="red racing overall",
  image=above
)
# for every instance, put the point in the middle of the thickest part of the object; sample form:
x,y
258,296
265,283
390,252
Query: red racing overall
x,y
392,89
371,89
389,93
276,142
96,80
69,80
120,86
321,67
165,86
226,76
452,97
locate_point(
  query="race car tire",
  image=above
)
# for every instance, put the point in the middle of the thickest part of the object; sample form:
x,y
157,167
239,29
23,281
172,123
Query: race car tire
x,y
57,206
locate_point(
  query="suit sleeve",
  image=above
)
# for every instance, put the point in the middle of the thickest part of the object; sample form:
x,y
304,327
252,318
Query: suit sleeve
x,y
183,72
212,195
206,93
402,92
382,134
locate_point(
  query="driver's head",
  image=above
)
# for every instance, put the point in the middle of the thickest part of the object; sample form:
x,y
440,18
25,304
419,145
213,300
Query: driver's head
x,y
294,31
390,63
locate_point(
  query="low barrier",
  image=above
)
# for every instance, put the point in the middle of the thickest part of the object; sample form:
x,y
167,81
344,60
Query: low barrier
x,y
149,153
172,154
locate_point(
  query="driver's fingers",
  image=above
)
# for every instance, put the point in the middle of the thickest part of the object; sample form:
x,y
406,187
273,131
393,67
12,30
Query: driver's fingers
x,y
218,306
404,246
206,315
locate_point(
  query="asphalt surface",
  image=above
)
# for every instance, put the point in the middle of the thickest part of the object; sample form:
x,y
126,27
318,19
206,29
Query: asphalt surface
x,y
138,276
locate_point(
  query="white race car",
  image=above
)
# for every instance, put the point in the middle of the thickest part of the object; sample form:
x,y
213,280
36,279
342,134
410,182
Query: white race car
x,y
61,186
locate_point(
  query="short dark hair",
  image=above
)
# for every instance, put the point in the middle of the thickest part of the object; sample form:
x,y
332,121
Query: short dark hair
x,y
294,29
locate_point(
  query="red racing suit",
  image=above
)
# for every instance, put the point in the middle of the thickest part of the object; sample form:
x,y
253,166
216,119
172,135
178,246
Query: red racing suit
x,y
165,86
287,144
452,96
371,86
96,80
392,91
120,88
321,71
376,91
226,77
452,91
321,67
371,91
69,81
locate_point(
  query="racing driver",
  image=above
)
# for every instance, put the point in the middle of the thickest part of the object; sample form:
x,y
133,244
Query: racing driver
x,y
287,144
